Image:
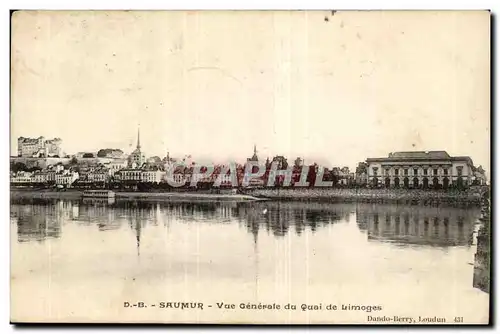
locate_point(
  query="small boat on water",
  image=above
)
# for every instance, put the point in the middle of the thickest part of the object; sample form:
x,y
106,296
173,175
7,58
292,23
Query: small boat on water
x,y
98,194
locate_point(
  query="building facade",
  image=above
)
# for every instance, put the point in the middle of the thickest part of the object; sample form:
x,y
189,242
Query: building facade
x,y
39,177
66,177
21,178
479,176
53,147
129,174
98,175
39,147
345,177
152,176
51,176
116,165
419,169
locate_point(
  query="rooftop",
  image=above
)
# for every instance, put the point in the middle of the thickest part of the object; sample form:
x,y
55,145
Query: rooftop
x,y
420,155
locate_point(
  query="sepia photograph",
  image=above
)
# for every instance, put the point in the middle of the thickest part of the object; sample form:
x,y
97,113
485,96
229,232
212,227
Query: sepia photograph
x,y
306,167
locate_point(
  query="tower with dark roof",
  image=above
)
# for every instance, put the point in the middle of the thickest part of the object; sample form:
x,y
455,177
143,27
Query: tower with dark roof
x,y
137,158
254,156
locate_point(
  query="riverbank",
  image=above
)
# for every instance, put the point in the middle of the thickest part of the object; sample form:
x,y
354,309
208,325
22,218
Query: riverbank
x,y
166,196
426,197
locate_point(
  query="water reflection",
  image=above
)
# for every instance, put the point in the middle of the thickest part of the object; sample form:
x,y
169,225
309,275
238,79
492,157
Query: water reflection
x,y
404,224
280,217
275,217
418,225
402,255
435,226
39,222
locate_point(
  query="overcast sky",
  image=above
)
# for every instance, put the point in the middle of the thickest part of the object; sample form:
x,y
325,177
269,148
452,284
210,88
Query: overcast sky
x,y
335,89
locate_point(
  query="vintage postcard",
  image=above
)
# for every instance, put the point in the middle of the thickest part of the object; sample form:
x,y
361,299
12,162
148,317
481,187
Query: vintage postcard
x,y
250,167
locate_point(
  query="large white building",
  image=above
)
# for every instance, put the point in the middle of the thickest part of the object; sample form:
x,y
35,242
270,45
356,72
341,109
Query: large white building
x,y
115,165
66,177
21,178
98,175
420,169
152,176
140,175
39,177
39,147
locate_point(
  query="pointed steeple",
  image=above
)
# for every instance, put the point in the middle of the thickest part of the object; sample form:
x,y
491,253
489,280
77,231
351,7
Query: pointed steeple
x,y
254,157
138,137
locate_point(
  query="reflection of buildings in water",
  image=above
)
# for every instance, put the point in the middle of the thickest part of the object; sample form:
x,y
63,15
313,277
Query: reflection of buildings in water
x,y
140,214
37,223
299,217
347,216
75,212
362,219
138,229
275,217
278,217
417,224
194,211
226,210
108,201
253,227
254,216
97,211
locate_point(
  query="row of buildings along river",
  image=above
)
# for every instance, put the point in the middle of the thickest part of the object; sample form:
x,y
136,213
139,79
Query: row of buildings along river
x,y
41,162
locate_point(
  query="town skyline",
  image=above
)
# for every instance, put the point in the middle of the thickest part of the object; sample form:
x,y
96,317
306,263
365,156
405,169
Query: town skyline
x,y
333,92
262,157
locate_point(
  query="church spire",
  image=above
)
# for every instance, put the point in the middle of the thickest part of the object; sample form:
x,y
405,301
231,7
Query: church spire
x,y
138,137
254,157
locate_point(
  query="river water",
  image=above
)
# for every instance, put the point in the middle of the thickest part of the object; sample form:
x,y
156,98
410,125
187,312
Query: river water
x,y
83,261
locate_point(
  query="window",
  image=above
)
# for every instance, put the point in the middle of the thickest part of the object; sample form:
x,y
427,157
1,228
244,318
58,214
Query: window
x,y
425,171
396,171
387,171
459,170
435,171
445,171
375,169
415,171
406,171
